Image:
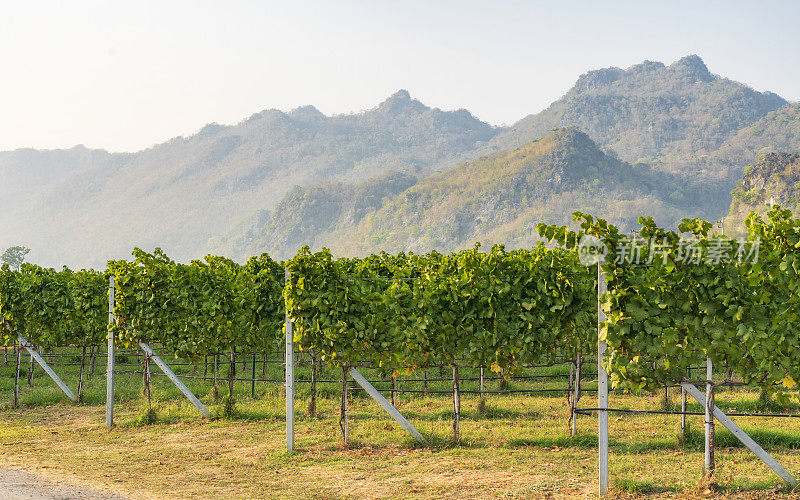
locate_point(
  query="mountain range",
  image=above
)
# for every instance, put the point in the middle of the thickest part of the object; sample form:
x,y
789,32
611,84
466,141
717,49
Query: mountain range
x,y
672,117
664,140
774,179
494,199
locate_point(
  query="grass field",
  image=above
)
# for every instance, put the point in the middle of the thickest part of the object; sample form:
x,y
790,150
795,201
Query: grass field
x,y
519,447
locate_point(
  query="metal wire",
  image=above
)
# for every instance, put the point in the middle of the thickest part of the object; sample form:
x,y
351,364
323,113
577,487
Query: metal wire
x,y
412,391
589,411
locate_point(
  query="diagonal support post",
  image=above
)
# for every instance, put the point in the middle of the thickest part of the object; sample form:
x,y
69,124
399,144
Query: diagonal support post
x,y
386,405
175,380
742,436
35,355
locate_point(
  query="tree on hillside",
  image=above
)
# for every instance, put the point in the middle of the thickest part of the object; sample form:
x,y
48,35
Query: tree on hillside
x,y
14,256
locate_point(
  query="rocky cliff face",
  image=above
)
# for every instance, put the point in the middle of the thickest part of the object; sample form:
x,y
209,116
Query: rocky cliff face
x,y
772,180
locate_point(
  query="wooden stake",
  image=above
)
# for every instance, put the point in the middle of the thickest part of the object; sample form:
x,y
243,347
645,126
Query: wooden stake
x,y
312,404
80,375
16,379
253,376
231,373
576,395
215,390
30,372
92,361
394,390
146,380
456,406
683,412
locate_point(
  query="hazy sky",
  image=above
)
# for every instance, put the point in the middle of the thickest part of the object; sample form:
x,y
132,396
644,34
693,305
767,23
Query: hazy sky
x,y
123,76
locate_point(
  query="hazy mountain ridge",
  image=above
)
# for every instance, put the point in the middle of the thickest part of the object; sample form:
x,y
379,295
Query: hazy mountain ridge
x,y
773,179
777,131
667,116
494,199
185,193
307,214
220,189
27,173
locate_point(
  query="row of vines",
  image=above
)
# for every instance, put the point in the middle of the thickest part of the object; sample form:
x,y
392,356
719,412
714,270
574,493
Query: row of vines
x,y
499,308
737,307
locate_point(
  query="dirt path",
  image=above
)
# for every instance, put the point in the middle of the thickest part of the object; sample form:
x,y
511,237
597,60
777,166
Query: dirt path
x,y
20,485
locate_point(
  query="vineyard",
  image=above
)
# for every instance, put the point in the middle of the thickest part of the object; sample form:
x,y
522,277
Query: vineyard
x,y
676,309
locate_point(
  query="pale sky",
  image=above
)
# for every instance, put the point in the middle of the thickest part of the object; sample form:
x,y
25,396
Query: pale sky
x,y
125,75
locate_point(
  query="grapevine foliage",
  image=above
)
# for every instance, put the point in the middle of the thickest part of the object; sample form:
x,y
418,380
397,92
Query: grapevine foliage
x,y
494,308
670,314
199,308
338,306
498,308
53,308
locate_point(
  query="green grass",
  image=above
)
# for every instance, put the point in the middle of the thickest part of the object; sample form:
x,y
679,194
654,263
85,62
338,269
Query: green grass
x,y
639,486
767,438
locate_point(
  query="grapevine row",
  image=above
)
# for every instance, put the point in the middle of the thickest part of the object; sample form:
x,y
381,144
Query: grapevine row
x,y
499,308
670,314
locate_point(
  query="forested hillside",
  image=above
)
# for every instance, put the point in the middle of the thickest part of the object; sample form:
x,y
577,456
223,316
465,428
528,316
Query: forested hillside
x,y
494,199
307,213
778,131
668,140
772,180
185,193
671,117
25,174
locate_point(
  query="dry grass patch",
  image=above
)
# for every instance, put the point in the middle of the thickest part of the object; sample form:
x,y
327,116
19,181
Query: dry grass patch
x,y
518,447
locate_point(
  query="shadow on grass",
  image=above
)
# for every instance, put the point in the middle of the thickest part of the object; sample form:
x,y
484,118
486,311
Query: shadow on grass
x,y
639,486
254,414
358,444
747,405
589,441
585,441
439,442
723,438
694,441
46,397
489,413
763,485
